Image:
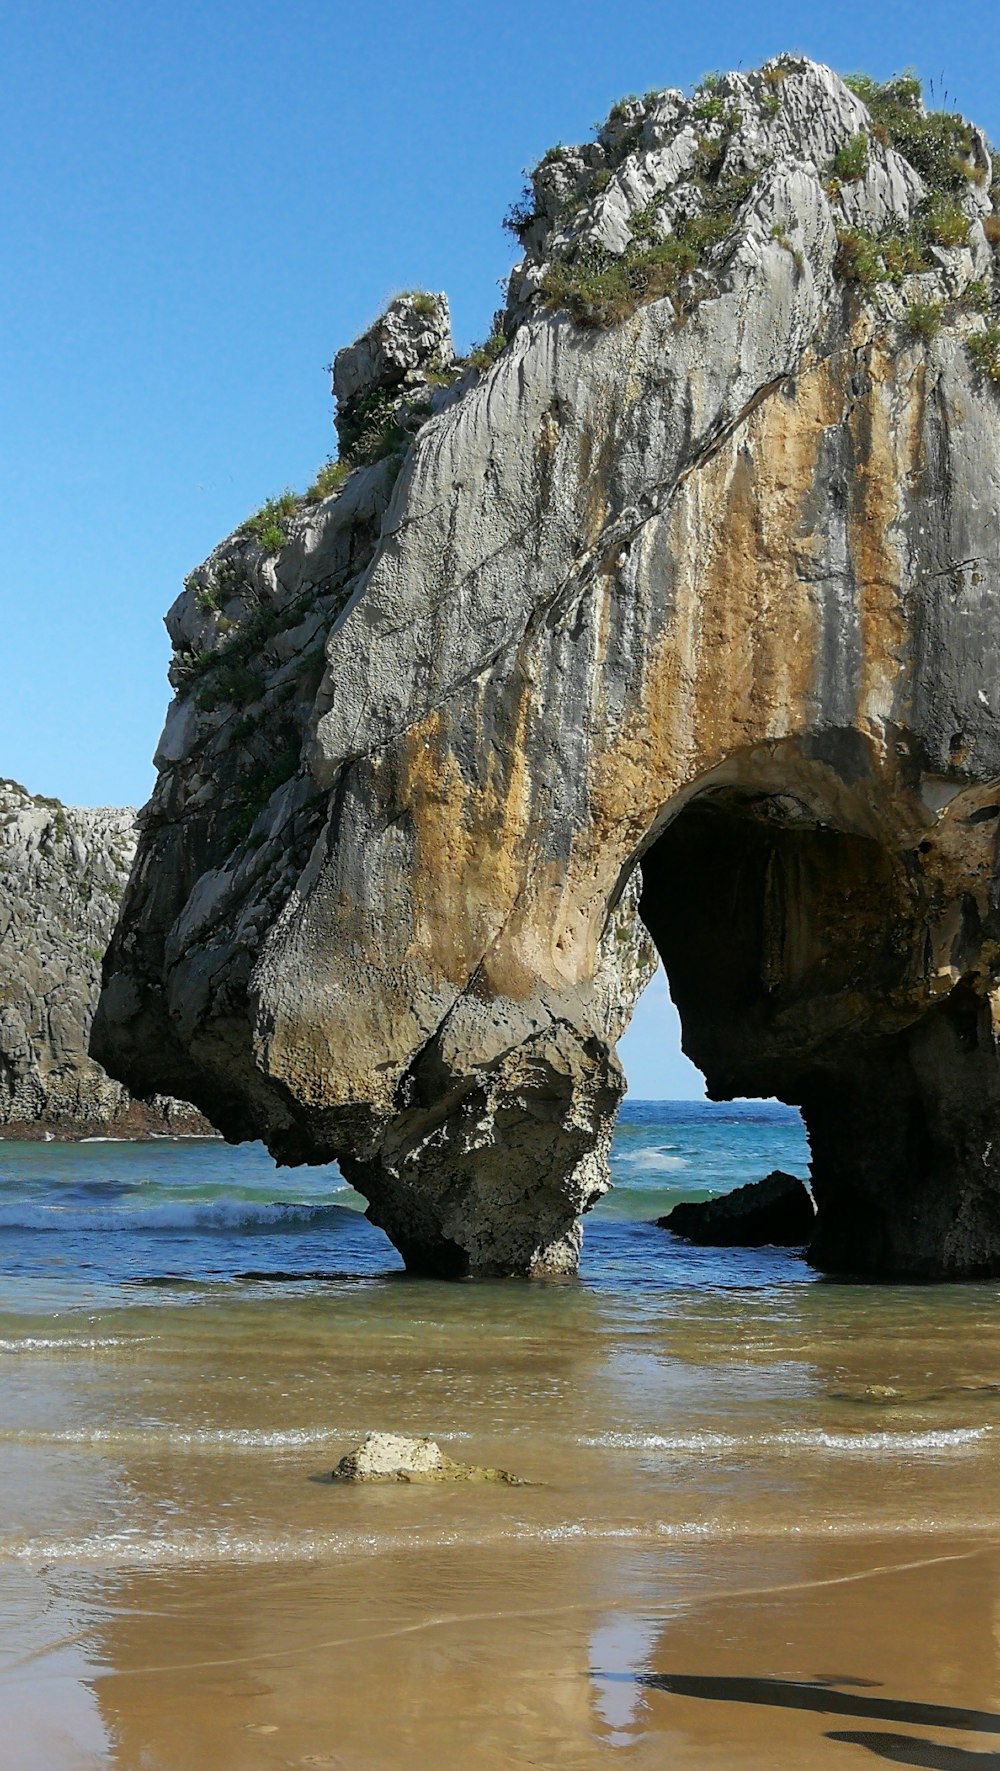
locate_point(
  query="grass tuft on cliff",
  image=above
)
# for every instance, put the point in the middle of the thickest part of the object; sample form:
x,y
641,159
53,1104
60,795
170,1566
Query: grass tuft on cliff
x,y
938,144
984,349
923,318
258,784
329,479
268,524
600,289
851,161
483,356
373,431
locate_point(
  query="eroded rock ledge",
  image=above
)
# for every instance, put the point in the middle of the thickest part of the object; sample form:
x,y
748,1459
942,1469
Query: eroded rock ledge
x,y
694,564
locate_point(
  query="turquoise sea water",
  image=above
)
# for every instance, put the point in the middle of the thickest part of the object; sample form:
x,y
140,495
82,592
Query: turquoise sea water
x,y
105,1222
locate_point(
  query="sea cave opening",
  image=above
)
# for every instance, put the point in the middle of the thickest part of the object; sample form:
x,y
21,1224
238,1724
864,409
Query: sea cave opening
x,y
785,929
772,923
818,953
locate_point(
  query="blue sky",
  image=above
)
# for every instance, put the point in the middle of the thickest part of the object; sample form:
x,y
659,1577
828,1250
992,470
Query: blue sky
x,y
202,202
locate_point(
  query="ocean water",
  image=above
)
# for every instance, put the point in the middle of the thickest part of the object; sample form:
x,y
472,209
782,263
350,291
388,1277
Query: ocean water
x,y
98,1223
732,1470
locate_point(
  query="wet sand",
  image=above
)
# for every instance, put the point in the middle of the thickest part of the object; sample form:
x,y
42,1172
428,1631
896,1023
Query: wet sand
x,y
778,1653
760,1528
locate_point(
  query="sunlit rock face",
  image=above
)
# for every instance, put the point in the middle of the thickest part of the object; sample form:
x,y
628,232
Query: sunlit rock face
x,y
695,566
62,873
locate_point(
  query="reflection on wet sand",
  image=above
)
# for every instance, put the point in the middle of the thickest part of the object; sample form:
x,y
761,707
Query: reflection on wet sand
x,y
424,1660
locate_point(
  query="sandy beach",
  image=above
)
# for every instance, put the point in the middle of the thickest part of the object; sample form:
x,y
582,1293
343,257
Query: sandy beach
x,y
806,1652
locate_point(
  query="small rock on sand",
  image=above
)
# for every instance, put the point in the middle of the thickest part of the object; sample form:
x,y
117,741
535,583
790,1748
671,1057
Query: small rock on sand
x,y
391,1457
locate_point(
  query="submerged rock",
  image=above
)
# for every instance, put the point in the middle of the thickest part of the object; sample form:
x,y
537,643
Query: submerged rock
x,y
694,566
62,873
391,1457
776,1210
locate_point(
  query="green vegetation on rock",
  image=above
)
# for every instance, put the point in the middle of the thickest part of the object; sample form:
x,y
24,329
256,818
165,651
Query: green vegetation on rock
x,y
256,788
373,431
233,681
923,318
482,356
267,525
600,289
329,479
984,349
866,258
850,161
421,300
938,144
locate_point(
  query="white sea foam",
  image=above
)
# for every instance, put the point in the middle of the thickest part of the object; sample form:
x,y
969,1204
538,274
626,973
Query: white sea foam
x,y
139,1547
933,1442
651,1159
202,1438
69,1343
198,1438
713,1444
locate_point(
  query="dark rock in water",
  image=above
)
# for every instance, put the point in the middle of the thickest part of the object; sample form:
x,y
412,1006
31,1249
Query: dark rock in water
x,y
777,1209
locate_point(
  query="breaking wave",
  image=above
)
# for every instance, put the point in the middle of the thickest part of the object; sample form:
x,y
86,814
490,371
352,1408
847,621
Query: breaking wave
x,y
712,1444
141,1548
222,1216
69,1343
652,1159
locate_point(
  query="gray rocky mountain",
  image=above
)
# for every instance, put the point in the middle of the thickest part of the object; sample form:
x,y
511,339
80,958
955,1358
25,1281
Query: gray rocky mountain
x,y
62,873
694,564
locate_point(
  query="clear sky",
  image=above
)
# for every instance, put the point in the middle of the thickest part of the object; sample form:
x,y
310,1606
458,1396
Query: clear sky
x,y
650,1053
202,201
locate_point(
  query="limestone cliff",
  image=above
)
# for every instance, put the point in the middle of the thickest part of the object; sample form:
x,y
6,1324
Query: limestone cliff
x,y
695,565
62,873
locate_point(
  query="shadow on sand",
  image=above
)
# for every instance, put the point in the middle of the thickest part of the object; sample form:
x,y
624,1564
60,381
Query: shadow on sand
x,y
822,1698
906,1749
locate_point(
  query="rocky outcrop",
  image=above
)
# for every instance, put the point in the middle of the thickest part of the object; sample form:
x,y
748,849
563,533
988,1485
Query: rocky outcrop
x,y
694,565
777,1210
392,1457
62,873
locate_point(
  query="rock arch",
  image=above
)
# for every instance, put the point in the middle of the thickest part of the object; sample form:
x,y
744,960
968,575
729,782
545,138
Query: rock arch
x,y
813,954
711,588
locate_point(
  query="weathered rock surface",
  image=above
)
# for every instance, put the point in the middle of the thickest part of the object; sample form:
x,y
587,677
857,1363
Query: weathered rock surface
x,y
414,330
777,1209
62,873
391,1457
701,572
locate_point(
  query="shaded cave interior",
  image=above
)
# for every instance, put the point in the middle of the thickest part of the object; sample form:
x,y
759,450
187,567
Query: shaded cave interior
x,y
794,941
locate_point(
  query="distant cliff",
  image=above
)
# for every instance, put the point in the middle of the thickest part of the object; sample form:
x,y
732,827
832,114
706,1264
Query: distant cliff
x,y
692,567
62,872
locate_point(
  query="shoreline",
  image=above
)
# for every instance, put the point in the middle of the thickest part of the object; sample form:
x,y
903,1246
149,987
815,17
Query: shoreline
x,y
47,1132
